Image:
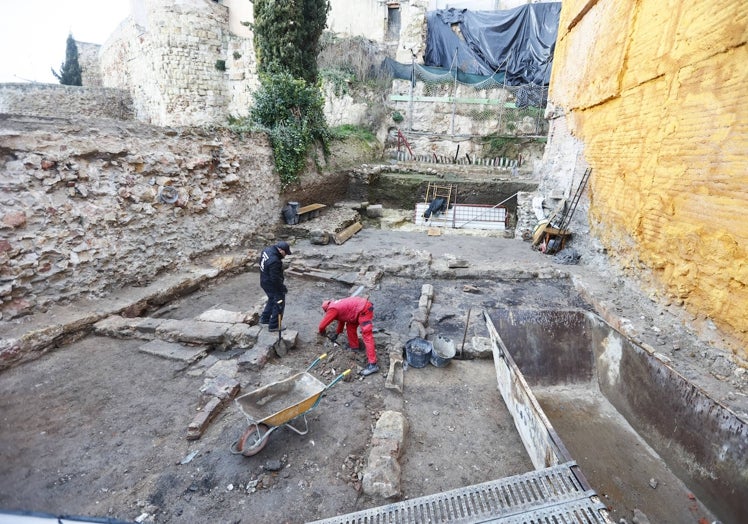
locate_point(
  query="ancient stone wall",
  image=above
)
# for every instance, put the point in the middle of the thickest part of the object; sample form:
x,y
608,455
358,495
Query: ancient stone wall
x,y
90,206
656,93
181,63
88,60
65,101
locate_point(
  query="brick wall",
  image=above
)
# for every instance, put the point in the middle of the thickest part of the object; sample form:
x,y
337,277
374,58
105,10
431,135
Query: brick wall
x,y
657,94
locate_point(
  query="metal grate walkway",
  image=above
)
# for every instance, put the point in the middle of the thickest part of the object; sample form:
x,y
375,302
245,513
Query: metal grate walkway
x,y
549,496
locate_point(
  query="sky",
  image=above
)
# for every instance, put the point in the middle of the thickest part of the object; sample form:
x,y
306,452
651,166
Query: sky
x,y
33,33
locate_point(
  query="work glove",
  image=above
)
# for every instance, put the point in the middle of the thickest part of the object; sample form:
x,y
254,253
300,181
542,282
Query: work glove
x,y
333,337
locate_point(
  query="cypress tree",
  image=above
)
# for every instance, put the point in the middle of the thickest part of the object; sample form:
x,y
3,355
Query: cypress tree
x,y
287,35
70,70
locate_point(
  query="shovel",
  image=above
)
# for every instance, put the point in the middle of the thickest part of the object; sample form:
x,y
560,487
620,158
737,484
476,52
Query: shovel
x,y
461,355
281,349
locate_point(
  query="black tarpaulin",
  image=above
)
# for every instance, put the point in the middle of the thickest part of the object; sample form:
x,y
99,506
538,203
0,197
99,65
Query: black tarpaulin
x,y
519,41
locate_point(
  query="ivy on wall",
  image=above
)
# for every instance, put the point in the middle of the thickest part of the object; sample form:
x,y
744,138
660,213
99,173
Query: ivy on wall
x,y
289,102
293,113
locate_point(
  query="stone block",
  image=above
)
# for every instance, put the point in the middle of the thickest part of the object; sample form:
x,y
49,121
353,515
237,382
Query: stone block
x,y
480,347
255,358
241,336
221,315
424,303
319,237
174,351
392,425
191,332
227,368
201,421
221,386
382,476
375,211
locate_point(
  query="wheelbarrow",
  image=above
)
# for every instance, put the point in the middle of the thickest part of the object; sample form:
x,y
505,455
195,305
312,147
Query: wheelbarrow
x,y
279,404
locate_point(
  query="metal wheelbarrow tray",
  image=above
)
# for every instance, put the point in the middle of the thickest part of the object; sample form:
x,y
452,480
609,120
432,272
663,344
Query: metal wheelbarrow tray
x,y
278,404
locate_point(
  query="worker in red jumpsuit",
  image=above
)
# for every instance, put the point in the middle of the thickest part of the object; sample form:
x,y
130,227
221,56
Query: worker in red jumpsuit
x,y
352,312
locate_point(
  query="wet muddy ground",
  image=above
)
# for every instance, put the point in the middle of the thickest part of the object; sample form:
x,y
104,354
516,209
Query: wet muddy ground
x,y
97,428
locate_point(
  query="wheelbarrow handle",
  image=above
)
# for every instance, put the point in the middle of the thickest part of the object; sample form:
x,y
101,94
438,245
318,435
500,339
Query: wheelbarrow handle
x,y
339,378
317,361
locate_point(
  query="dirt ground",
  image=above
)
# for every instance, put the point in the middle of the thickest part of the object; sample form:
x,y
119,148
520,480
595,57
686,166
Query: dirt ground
x,y
97,428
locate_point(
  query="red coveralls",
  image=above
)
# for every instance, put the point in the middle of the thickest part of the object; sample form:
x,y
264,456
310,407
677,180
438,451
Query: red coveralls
x,y
353,312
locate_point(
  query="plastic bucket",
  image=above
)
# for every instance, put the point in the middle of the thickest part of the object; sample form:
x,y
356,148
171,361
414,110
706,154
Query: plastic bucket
x,y
291,213
442,352
418,352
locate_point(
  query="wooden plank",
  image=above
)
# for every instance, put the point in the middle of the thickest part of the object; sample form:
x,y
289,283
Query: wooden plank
x,y
310,207
348,232
545,224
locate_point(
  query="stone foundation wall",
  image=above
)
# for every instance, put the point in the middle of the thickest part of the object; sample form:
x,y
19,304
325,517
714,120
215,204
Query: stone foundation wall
x,y
52,100
90,206
656,93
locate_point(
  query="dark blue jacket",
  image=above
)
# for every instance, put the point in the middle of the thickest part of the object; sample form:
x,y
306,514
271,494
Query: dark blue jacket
x,y
271,271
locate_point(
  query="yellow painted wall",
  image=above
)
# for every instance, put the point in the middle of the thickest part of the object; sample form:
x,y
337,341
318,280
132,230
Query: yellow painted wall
x,y
657,91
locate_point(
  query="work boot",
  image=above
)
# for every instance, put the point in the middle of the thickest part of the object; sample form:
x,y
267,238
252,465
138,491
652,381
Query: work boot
x,y
264,321
369,370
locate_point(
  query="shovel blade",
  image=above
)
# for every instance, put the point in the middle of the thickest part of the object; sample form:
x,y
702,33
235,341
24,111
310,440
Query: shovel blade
x,y
281,349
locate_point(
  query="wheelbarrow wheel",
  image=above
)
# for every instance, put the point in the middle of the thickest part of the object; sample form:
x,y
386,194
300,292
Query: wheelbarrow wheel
x,y
253,440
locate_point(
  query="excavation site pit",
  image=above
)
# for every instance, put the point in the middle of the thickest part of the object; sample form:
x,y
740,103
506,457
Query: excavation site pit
x,y
544,412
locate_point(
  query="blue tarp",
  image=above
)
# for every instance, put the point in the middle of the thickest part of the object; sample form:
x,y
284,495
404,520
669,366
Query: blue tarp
x,y
519,42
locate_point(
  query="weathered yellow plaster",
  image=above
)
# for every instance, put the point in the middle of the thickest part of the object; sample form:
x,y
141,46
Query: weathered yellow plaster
x,y
657,91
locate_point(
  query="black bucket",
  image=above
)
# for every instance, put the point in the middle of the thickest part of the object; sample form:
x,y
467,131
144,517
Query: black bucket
x,y
418,352
442,352
291,213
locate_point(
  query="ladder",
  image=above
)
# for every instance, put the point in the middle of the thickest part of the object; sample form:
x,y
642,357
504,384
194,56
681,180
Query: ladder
x,y
447,192
569,210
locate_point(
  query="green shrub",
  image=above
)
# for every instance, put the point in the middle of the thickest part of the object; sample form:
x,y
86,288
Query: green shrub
x,y
292,111
347,131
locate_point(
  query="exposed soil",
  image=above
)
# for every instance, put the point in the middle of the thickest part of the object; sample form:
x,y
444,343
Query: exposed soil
x,y
97,428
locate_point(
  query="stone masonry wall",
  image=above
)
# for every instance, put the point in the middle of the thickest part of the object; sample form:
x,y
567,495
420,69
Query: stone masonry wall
x,y
656,93
56,100
170,60
88,59
89,206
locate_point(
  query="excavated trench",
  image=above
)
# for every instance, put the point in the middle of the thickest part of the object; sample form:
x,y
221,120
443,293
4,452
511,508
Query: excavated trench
x,y
645,439
605,405
561,390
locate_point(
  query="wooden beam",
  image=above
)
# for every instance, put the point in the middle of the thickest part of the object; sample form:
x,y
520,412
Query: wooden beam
x,y
348,232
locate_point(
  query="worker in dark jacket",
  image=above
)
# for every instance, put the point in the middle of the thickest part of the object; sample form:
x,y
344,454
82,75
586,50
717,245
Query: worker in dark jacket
x,y
271,282
352,312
